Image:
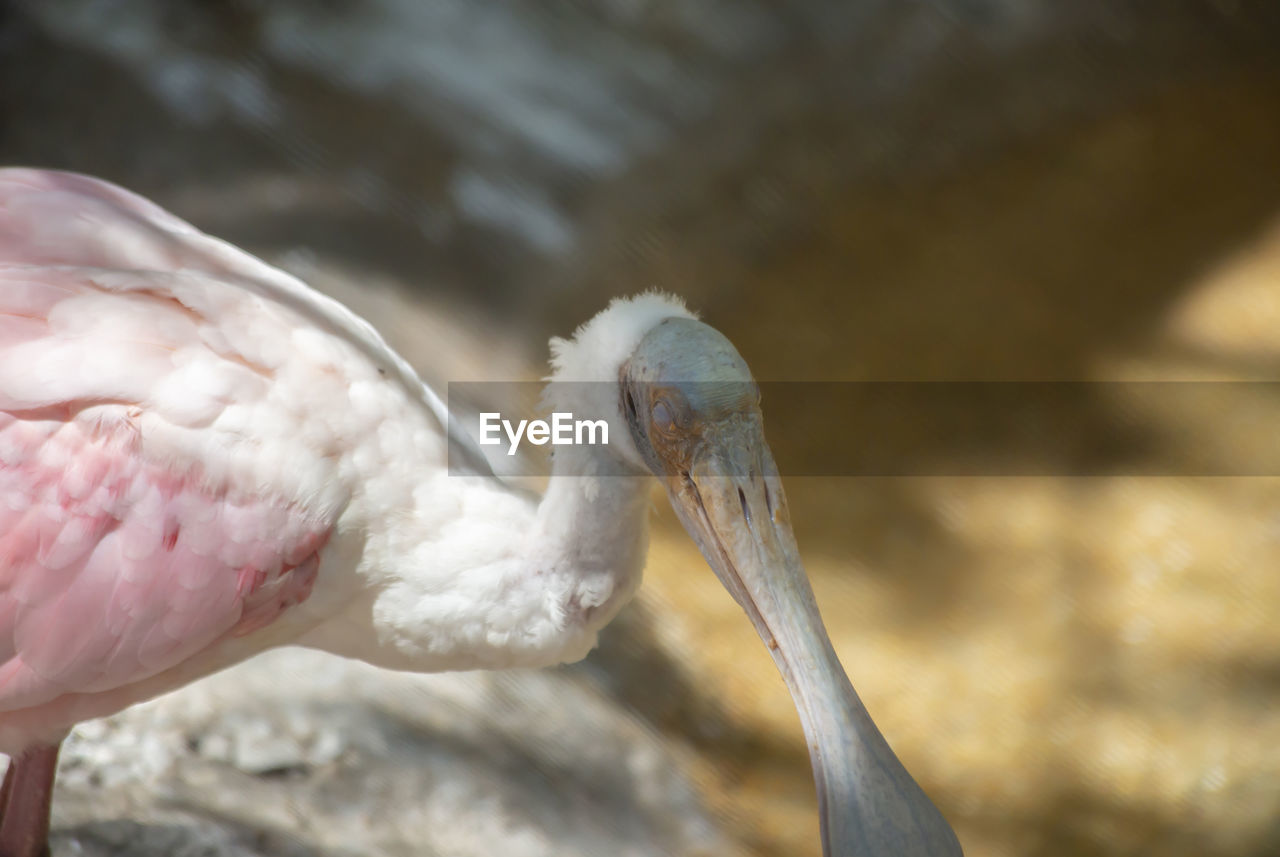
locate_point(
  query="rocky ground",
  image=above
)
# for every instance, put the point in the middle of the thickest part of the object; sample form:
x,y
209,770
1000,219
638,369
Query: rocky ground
x,y
851,191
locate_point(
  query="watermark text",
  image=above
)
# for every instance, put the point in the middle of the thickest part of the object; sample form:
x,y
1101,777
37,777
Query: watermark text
x,y
563,429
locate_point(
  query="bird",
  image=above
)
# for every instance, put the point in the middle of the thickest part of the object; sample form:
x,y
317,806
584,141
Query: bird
x,y
202,458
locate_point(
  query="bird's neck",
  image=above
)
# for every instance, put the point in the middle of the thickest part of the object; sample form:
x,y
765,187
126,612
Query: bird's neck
x,y
502,581
555,584
589,539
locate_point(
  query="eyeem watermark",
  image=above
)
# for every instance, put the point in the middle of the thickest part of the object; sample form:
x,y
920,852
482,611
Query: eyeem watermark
x,y
909,428
562,430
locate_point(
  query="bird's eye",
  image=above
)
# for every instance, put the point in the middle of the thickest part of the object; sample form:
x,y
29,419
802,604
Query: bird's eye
x,y
663,416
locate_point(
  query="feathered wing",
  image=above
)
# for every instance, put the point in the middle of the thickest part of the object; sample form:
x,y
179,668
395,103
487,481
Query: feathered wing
x,y
158,488
56,218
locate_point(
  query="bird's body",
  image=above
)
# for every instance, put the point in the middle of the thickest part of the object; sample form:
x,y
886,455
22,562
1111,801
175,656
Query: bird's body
x,y
202,458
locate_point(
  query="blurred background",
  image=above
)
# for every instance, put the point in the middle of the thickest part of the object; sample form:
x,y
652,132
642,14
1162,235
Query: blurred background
x,y
850,190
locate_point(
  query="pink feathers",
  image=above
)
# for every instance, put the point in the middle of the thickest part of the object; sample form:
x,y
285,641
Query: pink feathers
x,y
131,538
113,569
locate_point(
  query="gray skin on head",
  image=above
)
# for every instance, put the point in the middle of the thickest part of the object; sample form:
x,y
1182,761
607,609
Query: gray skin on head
x,y
684,378
693,410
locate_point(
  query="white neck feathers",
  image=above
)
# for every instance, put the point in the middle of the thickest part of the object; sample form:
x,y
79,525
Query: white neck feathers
x,y
504,583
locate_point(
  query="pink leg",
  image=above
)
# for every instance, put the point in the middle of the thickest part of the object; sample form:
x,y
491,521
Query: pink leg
x,y
27,793
8,786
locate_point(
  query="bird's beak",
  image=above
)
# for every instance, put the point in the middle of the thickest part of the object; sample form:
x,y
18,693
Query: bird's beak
x,y
730,500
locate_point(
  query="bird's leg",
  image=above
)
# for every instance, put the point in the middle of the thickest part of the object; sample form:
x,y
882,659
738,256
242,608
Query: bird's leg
x,y
27,794
8,784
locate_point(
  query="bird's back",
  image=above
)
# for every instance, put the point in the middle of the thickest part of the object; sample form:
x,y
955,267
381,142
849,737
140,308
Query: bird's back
x,y
182,428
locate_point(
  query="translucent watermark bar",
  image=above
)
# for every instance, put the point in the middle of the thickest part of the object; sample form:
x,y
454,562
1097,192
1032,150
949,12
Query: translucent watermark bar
x,y
867,428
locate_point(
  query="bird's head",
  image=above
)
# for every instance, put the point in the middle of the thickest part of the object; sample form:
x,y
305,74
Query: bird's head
x,y
692,416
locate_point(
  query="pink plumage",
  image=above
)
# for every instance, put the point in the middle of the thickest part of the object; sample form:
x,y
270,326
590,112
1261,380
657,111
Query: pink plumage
x,y
113,569
123,556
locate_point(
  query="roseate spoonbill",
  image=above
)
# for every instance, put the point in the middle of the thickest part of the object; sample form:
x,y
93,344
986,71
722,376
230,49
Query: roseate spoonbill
x,y
202,458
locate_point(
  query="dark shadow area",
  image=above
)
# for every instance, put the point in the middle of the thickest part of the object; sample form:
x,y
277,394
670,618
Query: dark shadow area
x,y
353,176
632,668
